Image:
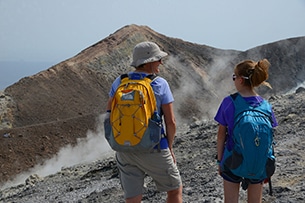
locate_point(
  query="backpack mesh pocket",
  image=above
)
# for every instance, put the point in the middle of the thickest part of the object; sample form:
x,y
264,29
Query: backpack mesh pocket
x,y
270,167
234,160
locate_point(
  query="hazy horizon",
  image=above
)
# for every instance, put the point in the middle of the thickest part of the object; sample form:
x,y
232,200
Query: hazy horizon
x,y
13,71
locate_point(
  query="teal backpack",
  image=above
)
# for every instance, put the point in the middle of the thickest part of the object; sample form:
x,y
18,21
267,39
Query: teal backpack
x,y
252,156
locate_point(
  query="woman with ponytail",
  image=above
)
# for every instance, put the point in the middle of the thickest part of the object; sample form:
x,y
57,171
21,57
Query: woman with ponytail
x,y
247,75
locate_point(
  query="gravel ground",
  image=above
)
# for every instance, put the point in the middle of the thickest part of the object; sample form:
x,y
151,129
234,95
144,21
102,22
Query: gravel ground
x,y
195,149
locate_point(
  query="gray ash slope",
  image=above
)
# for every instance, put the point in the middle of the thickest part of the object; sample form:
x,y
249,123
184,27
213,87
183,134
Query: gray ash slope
x,y
195,148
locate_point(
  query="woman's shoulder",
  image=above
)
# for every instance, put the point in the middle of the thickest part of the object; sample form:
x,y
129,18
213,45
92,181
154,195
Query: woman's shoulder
x,y
228,99
227,102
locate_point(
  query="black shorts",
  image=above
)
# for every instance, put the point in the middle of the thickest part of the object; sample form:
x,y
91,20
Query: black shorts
x,y
229,176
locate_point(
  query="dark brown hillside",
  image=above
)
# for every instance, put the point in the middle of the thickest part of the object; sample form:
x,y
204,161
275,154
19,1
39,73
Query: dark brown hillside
x,y
28,146
58,93
46,111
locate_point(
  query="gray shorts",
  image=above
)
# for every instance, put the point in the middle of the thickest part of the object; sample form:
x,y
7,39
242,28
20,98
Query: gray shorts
x,y
158,165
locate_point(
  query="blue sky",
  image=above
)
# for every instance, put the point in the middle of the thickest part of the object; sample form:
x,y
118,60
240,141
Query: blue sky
x,y
52,31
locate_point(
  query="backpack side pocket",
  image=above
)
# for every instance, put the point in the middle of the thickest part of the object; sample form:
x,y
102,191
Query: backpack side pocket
x,y
270,167
155,131
234,160
107,128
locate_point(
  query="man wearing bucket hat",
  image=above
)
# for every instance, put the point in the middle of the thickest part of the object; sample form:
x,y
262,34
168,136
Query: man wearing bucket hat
x,y
160,164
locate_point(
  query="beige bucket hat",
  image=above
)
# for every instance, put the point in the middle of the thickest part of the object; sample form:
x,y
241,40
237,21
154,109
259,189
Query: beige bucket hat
x,y
146,52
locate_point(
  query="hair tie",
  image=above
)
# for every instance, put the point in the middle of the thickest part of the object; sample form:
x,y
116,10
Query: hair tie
x,y
250,72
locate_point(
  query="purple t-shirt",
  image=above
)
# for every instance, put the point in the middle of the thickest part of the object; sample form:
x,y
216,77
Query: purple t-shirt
x,y
225,115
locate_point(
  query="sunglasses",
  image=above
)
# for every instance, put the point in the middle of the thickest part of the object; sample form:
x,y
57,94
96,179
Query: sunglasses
x,y
234,77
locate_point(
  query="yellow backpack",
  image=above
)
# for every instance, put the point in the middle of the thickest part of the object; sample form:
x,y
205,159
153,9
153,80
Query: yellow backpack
x,y
135,123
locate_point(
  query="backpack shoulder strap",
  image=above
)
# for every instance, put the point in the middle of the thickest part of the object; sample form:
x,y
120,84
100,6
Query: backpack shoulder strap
x,y
239,103
151,77
233,96
124,76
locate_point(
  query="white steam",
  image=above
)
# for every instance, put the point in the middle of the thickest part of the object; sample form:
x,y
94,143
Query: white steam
x,y
91,148
216,78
